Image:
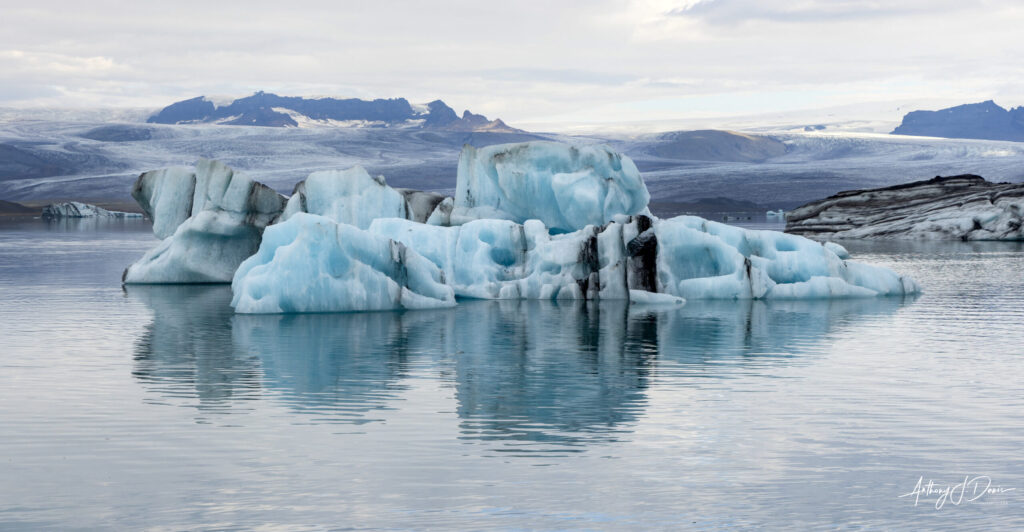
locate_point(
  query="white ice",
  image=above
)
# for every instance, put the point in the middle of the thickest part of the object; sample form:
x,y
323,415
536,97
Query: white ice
x,y
567,187
354,197
228,212
75,209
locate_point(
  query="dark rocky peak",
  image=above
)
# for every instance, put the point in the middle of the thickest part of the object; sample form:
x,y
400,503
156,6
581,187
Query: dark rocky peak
x,y
439,114
196,109
983,120
472,119
270,110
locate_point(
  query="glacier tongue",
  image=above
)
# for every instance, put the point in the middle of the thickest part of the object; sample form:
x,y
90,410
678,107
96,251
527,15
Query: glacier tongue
x,y
566,187
310,263
226,214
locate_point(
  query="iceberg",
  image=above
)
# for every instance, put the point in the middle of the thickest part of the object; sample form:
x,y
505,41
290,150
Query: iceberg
x,y
354,197
166,196
638,258
538,220
501,259
701,259
963,207
566,187
210,221
311,263
75,209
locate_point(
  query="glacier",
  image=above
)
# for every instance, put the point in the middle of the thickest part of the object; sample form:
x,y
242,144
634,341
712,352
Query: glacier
x,y
536,220
567,187
210,219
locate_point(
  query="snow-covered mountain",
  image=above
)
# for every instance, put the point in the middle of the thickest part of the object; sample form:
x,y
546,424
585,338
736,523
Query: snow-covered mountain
x,y
270,110
985,120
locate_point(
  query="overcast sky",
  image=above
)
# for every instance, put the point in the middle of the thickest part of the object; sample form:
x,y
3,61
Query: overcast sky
x,y
525,61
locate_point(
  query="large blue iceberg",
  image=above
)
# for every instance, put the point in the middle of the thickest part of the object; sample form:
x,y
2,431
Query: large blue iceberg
x,y
537,220
310,263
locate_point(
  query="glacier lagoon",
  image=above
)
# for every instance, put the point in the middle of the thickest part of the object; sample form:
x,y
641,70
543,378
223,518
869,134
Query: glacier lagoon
x,y
158,406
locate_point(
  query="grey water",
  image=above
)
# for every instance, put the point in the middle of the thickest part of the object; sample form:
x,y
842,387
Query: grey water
x,y
157,407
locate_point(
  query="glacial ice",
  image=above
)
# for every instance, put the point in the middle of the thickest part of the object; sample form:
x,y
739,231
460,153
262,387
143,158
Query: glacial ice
x,y
962,207
700,259
354,197
567,187
224,216
166,196
500,259
311,263
538,220
75,209
685,257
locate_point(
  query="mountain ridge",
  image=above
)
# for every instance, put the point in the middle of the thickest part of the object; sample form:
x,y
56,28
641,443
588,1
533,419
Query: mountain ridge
x,y
983,120
270,110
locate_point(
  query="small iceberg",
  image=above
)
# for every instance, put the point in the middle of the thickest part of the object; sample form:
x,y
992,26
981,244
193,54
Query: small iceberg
x,y
963,207
75,209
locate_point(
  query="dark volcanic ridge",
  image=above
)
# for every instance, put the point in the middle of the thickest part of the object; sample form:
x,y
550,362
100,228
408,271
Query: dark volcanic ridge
x,y
270,110
962,207
10,208
984,120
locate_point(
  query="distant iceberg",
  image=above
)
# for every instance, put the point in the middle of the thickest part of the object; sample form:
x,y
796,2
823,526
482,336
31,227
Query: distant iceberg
x,y
538,220
963,207
75,209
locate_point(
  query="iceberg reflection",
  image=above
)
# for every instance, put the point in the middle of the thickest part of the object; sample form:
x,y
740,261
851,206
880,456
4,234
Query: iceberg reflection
x,y
186,351
524,375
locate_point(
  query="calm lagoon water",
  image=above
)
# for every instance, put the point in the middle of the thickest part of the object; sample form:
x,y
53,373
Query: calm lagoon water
x,y
157,407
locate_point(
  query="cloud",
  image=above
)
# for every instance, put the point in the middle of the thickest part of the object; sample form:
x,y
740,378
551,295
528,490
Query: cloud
x,y
15,62
528,60
801,11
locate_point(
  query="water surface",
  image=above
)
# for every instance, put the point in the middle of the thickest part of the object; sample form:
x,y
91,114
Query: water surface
x,y
156,406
